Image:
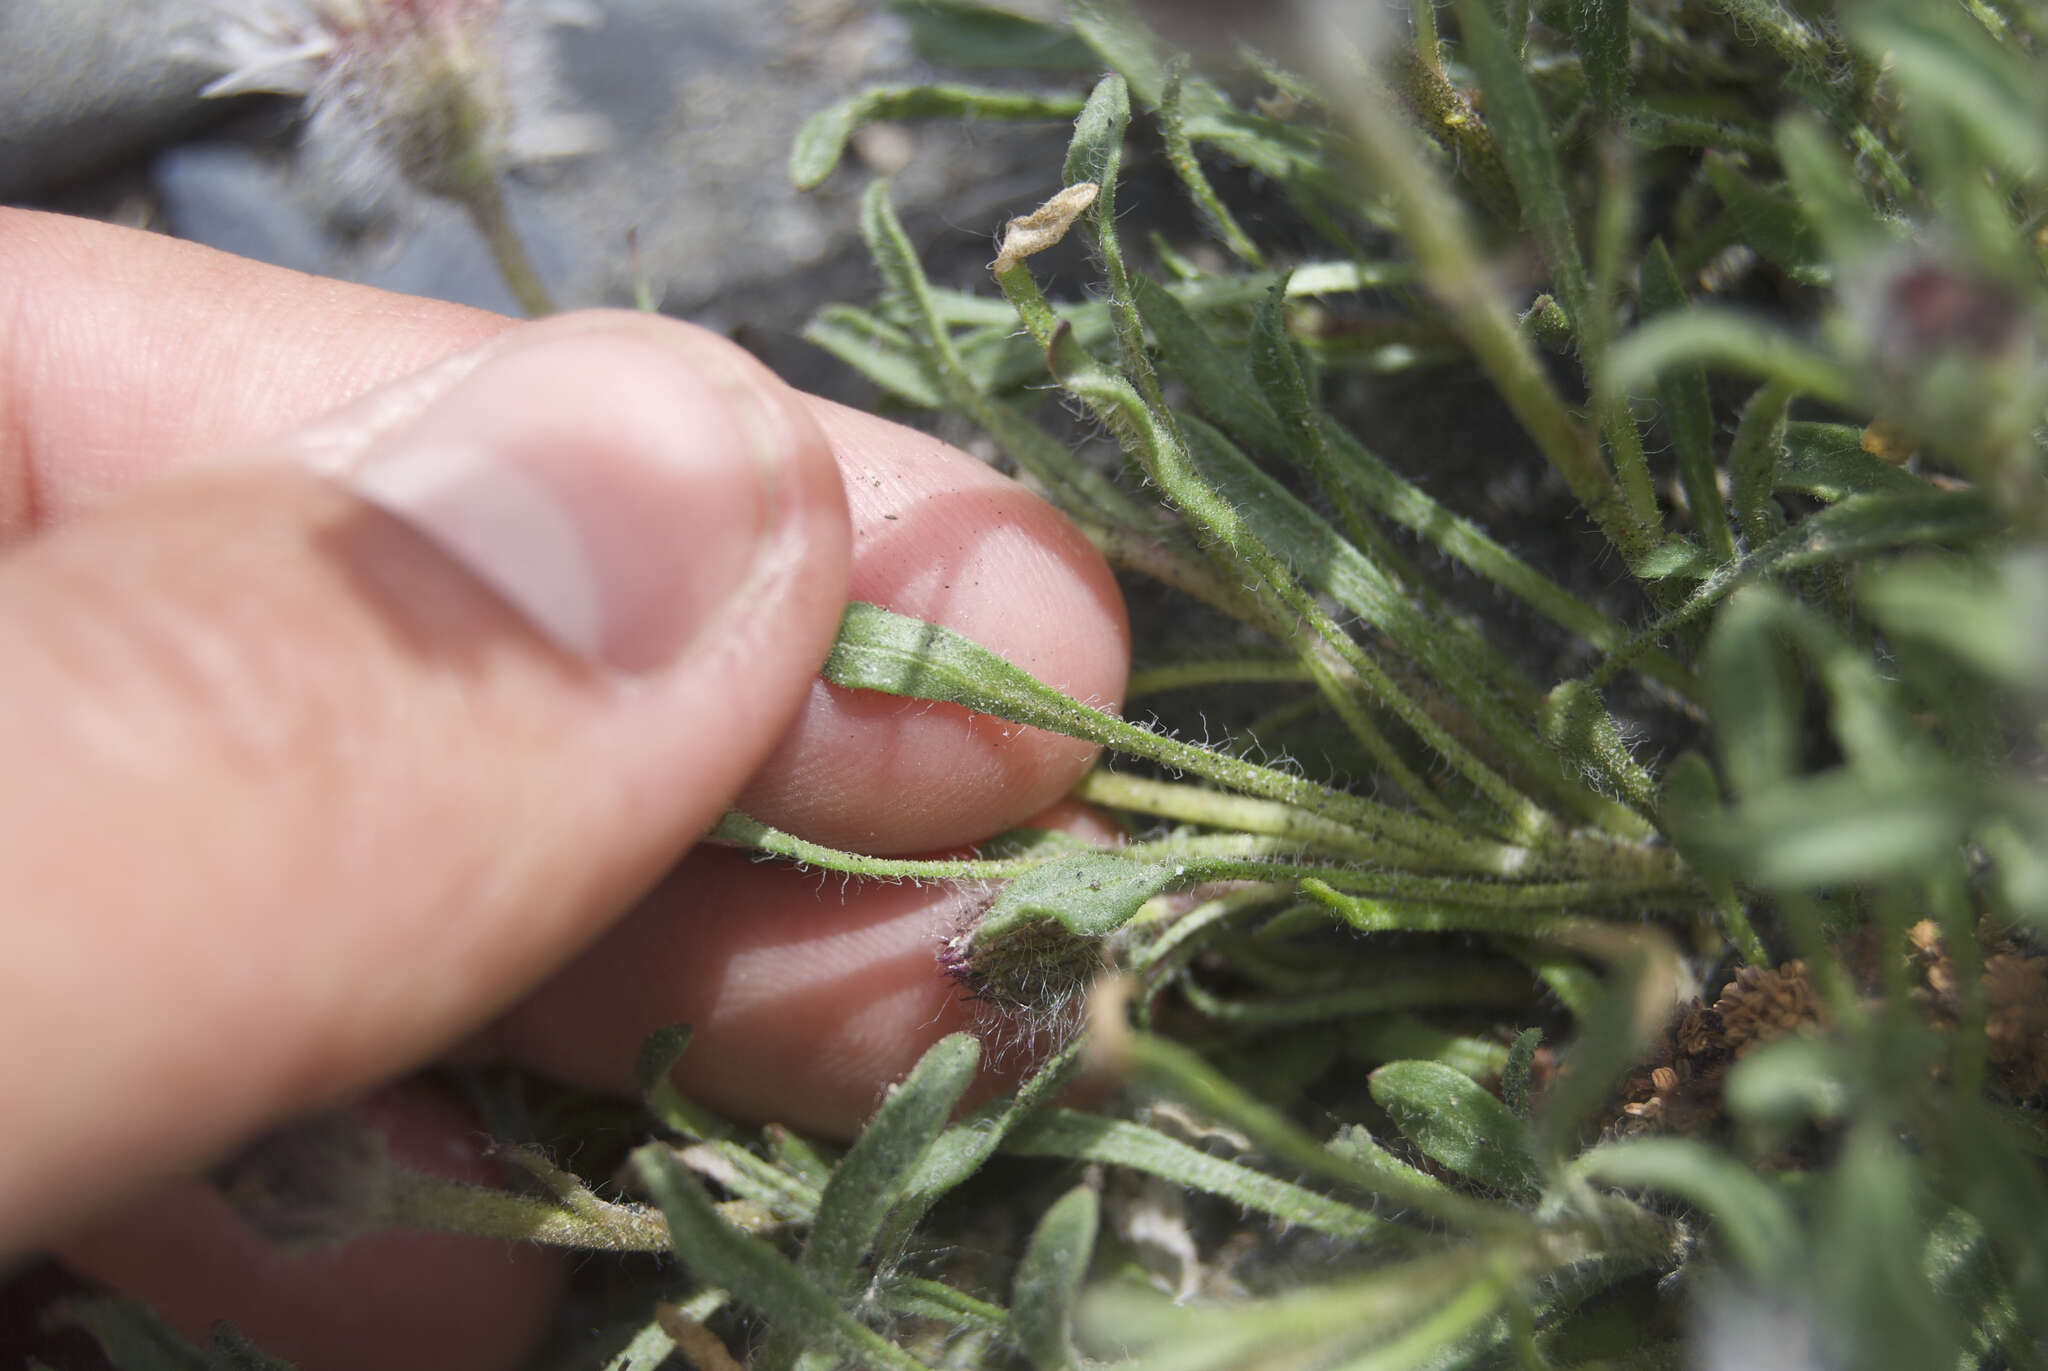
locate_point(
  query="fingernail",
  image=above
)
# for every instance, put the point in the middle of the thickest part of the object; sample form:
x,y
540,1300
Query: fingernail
x,y
613,489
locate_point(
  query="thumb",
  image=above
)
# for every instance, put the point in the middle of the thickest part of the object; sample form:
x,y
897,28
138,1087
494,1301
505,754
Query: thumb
x,y
315,765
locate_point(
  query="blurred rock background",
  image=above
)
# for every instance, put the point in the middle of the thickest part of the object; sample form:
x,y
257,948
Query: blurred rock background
x,y
100,114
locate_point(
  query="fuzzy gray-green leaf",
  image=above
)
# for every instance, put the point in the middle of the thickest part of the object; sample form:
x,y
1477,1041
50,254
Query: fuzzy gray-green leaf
x,y
1113,1142
1688,412
1523,131
1091,894
1458,1125
1969,609
659,1054
130,1335
959,33
1772,224
1514,1077
756,1274
1750,1218
1049,1279
1098,141
1599,30
231,1351
878,351
1946,62
1828,462
879,1165
821,142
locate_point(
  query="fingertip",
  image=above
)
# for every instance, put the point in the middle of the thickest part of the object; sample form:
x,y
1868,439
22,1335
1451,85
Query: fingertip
x,y
808,994
940,536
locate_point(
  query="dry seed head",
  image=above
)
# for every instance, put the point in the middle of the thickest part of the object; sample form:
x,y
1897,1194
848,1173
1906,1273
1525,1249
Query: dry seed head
x,y
1044,226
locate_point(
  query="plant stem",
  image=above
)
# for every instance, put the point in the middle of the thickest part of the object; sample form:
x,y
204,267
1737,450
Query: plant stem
x,y
444,1206
484,202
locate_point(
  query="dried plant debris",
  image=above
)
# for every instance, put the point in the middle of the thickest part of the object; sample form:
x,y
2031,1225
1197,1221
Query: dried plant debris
x,y
1679,1089
2015,985
1045,226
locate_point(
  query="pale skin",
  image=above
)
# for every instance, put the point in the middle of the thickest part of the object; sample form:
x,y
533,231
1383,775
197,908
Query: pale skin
x,y
294,805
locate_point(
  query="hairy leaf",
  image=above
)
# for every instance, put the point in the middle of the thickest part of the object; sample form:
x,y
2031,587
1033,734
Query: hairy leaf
x,y
1459,1125
1049,1279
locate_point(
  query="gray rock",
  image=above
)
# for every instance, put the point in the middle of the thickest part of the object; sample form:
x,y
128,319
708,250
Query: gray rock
x,y
701,98
85,83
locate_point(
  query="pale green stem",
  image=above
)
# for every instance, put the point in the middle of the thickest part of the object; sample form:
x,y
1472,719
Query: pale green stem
x,y
484,202
1197,675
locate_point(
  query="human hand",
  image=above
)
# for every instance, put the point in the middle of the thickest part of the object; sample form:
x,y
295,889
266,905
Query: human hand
x,y
295,803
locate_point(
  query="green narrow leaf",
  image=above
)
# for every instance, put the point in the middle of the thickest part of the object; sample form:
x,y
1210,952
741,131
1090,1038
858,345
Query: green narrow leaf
x,y
1576,722
1522,130
1089,893
796,1156
1514,1077
1844,825
1752,1221
926,1299
1691,804
1853,528
1185,1075
1754,692
1817,166
231,1351
1732,341
881,352
1457,660
1459,1125
1944,62
1113,1142
961,1150
659,1054
1098,142
1407,504
1753,460
1674,557
880,650
1276,371
130,1336
1873,1229
821,141
1049,1279
1123,44
1397,1037
1969,610
1181,154
1774,225
1600,35
1828,461
1215,379
962,33
755,1273
1606,1037
875,1170
1688,412
747,1176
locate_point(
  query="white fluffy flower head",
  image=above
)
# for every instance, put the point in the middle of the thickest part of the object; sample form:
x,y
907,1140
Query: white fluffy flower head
x,y
447,91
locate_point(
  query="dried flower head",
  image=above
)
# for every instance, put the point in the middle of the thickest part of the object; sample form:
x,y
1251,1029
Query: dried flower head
x,y
1761,1006
448,93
